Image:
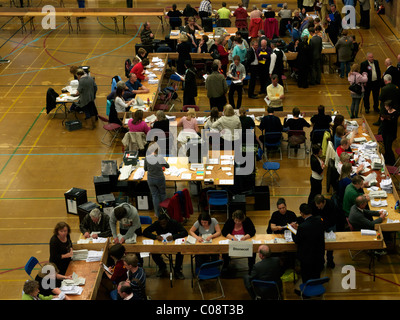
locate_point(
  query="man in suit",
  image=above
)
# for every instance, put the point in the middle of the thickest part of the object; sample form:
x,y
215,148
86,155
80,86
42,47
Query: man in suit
x,y
276,65
371,67
316,56
268,269
390,92
334,24
310,240
393,71
361,218
365,7
252,62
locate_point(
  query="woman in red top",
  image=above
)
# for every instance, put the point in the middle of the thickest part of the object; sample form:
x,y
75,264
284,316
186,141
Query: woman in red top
x,y
221,42
119,272
138,69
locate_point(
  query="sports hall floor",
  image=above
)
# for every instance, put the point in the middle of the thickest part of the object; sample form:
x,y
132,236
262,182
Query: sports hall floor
x,y
40,160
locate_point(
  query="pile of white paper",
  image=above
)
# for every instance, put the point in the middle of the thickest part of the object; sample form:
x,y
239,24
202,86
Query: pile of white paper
x,y
125,172
94,255
138,174
75,281
75,290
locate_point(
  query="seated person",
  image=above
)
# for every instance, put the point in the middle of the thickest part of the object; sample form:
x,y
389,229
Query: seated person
x,y
96,224
281,218
239,228
45,275
190,30
214,116
120,104
344,147
161,122
352,191
31,291
136,276
270,123
134,86
223,16
138,69
362,218
174,15
116,266
190,128
297,122
136,124
247,124
205,229
203,44
229,125
320,121
141,54
163,226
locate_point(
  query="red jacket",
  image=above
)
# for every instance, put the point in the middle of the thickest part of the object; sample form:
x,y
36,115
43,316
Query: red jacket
x,y
255,25
223,54
241,18
271,28
138,70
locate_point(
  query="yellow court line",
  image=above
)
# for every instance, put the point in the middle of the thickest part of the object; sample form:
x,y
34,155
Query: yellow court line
x,y
41,133
27,86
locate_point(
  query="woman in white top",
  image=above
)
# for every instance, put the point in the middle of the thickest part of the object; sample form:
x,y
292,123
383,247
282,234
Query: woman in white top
x,y
229,125
120,104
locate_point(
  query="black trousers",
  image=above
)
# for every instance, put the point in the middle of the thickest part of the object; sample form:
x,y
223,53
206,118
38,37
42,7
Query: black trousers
x,y
364,21
253,79
219,102
235,88
389,155
374,87
157,258
316,188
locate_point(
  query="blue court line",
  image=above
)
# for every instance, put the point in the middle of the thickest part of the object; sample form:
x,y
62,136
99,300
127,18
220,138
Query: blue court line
x,y
72,63
59,154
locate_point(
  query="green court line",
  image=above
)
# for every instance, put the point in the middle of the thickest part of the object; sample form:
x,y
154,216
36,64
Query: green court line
x,y
22,140
60,154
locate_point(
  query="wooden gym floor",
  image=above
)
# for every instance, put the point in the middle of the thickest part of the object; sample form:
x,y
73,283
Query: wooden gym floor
x,y
40,160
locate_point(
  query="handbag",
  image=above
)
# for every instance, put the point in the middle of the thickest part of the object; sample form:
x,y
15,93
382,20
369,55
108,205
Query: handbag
x,y
355,87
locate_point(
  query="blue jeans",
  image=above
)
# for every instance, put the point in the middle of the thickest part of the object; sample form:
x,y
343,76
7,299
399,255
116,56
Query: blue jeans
x,y
344,65
158,193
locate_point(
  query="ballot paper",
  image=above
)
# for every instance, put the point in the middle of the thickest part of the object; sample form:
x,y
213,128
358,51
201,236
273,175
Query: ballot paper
x,y
125,172
239,236
138,174
75,281
205,236
330,236
148,242
72,290
94,255
226,168
186,176
378,203
61,296
226,182
367,232
80,255
107,269
190,240
224,241
180,241
293,230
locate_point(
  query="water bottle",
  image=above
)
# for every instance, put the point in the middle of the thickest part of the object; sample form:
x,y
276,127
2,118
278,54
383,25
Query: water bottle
x,y
364,127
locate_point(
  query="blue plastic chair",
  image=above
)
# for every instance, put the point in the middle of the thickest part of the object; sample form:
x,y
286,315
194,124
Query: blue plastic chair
x,y
114,294
210,271
314,288
266,290
32,262
271,168
273,140
218,198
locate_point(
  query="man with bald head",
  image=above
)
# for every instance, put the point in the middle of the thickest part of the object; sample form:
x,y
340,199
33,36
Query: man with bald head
x,y
362,218
269,268
371,67
264,60
393,71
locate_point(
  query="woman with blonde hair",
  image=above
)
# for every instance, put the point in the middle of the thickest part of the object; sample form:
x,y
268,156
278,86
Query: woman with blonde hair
x,y
229,125
190,128
355,77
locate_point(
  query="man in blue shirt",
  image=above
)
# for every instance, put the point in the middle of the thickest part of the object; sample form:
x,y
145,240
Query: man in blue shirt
x,y
135,86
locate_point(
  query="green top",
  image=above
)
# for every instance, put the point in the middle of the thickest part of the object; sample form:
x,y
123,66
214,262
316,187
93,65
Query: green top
x,y
224,13
40,296
349,198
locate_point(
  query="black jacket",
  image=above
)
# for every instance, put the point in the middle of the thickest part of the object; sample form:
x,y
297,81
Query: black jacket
x,y
248,227
51,99
364,68
175,228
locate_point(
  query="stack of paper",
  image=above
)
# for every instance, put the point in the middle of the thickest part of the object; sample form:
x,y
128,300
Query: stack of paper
x,y
125,172
75,290
367,232
94,255
378,203
80,255
330,236
190,240
138,174
75,281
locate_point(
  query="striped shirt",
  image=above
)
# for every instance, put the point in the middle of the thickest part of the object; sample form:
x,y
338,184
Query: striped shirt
x,y
205,6
139,291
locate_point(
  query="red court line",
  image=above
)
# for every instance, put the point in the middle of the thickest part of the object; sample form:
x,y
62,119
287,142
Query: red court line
x,y
19,268
378,277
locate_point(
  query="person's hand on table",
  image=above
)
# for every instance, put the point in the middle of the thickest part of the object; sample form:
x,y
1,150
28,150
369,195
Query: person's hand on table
x,y
86,235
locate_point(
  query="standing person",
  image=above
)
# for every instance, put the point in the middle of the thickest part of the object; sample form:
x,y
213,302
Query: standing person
x,y
317,169
86,91
223,53
276,65
164,225
303,62
316,57
389,131
365,7
183,48
264,61
344,48
334,24
310,240
357,78
205,229
393,71
129,223
237,73
205,10
239,228
217,88
189,84
275,93
154,165
269,268
61,251
252,62
371,67
389,92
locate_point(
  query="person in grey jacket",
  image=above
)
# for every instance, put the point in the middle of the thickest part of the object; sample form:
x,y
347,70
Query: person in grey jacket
x,y
361,218
344,48
129,223
96,224
154,164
